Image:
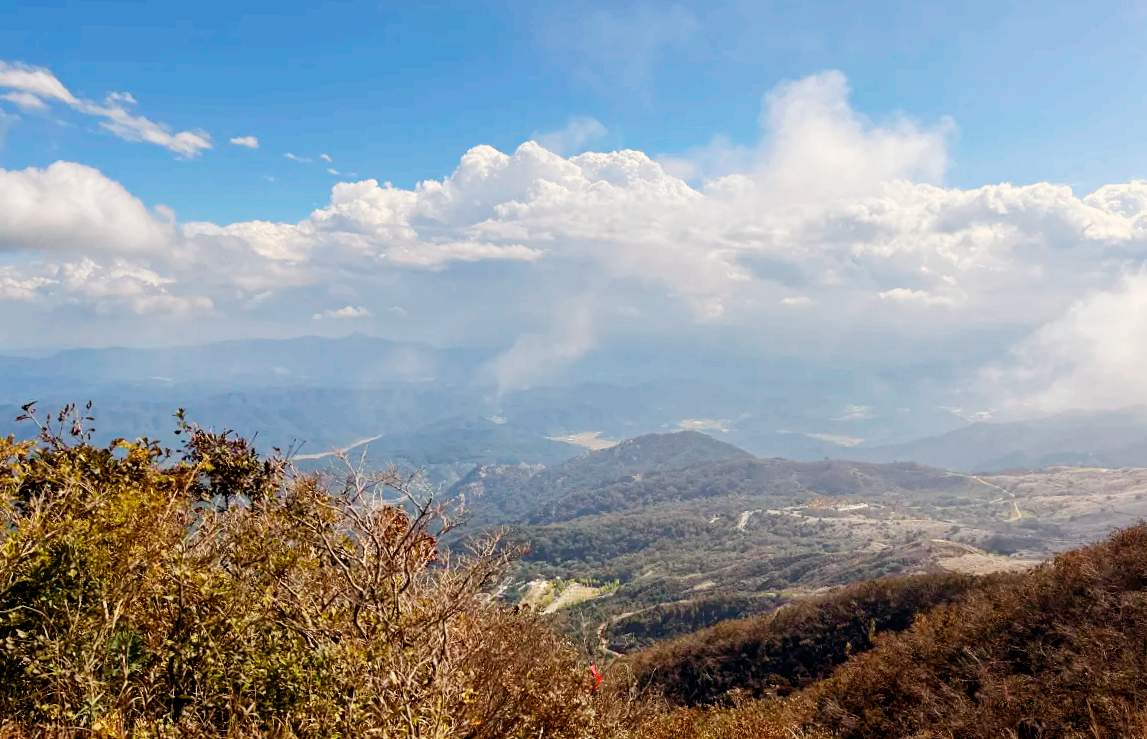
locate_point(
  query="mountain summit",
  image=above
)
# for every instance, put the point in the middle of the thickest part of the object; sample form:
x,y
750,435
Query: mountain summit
x,y
507,492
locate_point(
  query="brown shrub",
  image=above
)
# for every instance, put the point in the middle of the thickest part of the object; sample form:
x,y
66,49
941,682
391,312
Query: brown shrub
x,y
744,720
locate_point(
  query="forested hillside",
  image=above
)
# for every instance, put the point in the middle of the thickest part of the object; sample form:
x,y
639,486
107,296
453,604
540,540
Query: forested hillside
x,y
507,493
1061,651
689,548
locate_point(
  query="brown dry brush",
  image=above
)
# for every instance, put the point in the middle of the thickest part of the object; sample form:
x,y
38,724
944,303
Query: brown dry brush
x,y
793,646
1059,652
214,593
743,719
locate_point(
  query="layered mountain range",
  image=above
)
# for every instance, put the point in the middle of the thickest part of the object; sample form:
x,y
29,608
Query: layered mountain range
x,y
420,405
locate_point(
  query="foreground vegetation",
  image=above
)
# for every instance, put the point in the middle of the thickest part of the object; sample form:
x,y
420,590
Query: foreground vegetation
x,y
209,592
213,593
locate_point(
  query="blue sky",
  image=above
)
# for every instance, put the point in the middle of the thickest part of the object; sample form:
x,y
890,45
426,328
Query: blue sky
x,y
1037,91
867,182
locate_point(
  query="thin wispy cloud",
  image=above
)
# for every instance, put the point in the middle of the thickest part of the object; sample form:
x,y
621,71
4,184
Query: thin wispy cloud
x,y
333,171
248,141
25,101
7,120
923,297
578,132
34,81
33,87
615,50
297,158
324,157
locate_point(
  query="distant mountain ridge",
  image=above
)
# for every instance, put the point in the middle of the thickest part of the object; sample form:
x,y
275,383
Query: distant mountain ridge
x,y
330,392
774,408
1097,438
320,418
350,361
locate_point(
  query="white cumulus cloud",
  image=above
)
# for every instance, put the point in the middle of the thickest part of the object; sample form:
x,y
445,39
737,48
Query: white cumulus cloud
x,y
15,286
814,147
349,311
122,285
72,208
248,141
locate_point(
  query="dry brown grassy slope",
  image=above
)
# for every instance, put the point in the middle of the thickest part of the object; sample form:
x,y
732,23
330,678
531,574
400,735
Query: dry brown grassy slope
x,y
793,646
1060,651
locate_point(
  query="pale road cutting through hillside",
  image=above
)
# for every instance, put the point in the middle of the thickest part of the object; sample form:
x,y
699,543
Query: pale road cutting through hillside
x,y
336,452
1017,513
744,520
1015,506
984,482
959,545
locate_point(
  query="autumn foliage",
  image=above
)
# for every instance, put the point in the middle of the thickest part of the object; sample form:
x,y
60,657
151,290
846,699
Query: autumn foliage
x,y
211,592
